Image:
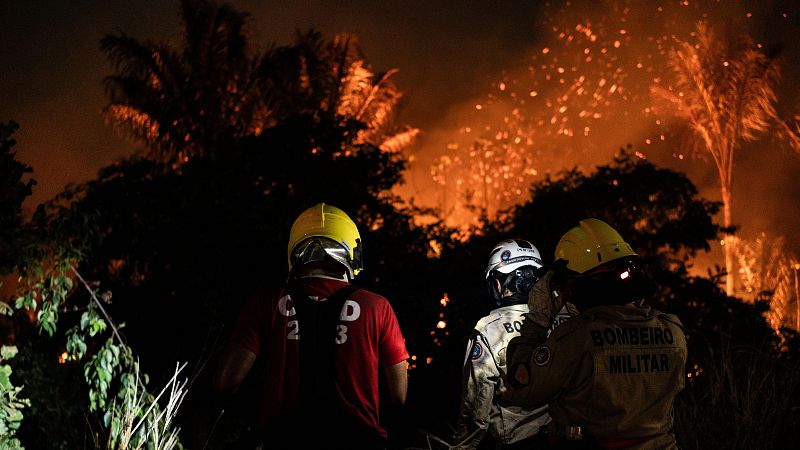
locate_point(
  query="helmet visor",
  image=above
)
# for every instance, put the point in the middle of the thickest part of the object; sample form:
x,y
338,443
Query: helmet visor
x,y
318,249
524,278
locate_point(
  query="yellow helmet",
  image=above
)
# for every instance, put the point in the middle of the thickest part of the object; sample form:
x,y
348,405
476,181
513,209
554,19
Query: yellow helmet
x,y
325,230
591,244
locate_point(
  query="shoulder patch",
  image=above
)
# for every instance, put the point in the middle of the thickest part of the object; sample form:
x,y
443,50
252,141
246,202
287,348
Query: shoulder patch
x,y
542,356
476,352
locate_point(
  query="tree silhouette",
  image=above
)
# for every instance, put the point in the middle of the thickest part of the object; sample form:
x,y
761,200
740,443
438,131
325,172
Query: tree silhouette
x,y
724,90
187,101
197,99
484,179
13,191
317,77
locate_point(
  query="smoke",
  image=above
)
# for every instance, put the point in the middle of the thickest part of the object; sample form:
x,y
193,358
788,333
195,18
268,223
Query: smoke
x,y
581,91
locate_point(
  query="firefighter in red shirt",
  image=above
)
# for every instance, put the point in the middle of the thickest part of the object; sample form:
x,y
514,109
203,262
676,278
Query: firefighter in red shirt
x,y
325,343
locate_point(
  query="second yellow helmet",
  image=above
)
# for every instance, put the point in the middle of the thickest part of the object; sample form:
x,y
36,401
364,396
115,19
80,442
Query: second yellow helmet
x,y
590,244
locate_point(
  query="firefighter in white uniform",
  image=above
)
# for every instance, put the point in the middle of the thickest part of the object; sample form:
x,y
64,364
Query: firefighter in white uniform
x,y
512,270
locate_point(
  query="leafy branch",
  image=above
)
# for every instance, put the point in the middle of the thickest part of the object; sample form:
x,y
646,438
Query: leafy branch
x,y
11,405
117,388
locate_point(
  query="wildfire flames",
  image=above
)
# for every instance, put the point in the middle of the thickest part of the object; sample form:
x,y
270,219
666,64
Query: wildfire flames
x,y
579,95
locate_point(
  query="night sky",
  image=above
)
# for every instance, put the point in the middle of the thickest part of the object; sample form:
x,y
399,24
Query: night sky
x,y
450,54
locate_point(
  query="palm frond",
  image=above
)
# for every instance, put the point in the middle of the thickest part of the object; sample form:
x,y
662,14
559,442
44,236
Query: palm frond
x,y
380,104
751,84
400,141
355,89
766,272
723,87
790,132
127,120
128,55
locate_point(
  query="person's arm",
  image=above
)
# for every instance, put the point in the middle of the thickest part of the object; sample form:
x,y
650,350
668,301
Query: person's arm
x,y
392,356
539,372
479,381
242,349
235,363
538,365
396,383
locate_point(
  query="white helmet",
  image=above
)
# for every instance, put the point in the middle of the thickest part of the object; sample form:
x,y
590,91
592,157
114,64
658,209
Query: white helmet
x,y
506,262
512,254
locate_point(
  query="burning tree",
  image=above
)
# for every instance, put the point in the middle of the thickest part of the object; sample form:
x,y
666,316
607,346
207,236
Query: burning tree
x,y
768,272
369,98
724,90
489,176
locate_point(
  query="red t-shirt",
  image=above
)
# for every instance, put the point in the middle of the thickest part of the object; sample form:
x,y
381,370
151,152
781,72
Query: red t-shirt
x,y
368,339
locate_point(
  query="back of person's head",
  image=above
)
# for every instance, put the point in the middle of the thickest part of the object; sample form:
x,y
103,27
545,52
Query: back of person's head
x,y
512,270
323,238
601,268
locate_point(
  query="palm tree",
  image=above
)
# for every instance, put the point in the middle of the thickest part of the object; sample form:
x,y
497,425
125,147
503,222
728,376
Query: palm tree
x,y
331,77
371,99
724,90
187,101
196,99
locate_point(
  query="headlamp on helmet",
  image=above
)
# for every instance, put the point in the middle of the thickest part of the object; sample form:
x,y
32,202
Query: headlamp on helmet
x,y
603,264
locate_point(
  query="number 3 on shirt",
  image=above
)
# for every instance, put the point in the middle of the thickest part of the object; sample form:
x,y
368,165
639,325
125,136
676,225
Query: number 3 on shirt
x,y
341,334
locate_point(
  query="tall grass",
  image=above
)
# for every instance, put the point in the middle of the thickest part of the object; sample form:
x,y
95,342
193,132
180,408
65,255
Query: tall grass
x,y
153,430
742,397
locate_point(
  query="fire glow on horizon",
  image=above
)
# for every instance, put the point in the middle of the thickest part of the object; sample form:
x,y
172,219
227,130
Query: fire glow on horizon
x,y
582,93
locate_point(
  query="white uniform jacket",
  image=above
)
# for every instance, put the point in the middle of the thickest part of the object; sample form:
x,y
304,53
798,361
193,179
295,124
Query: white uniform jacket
x,y
484,366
